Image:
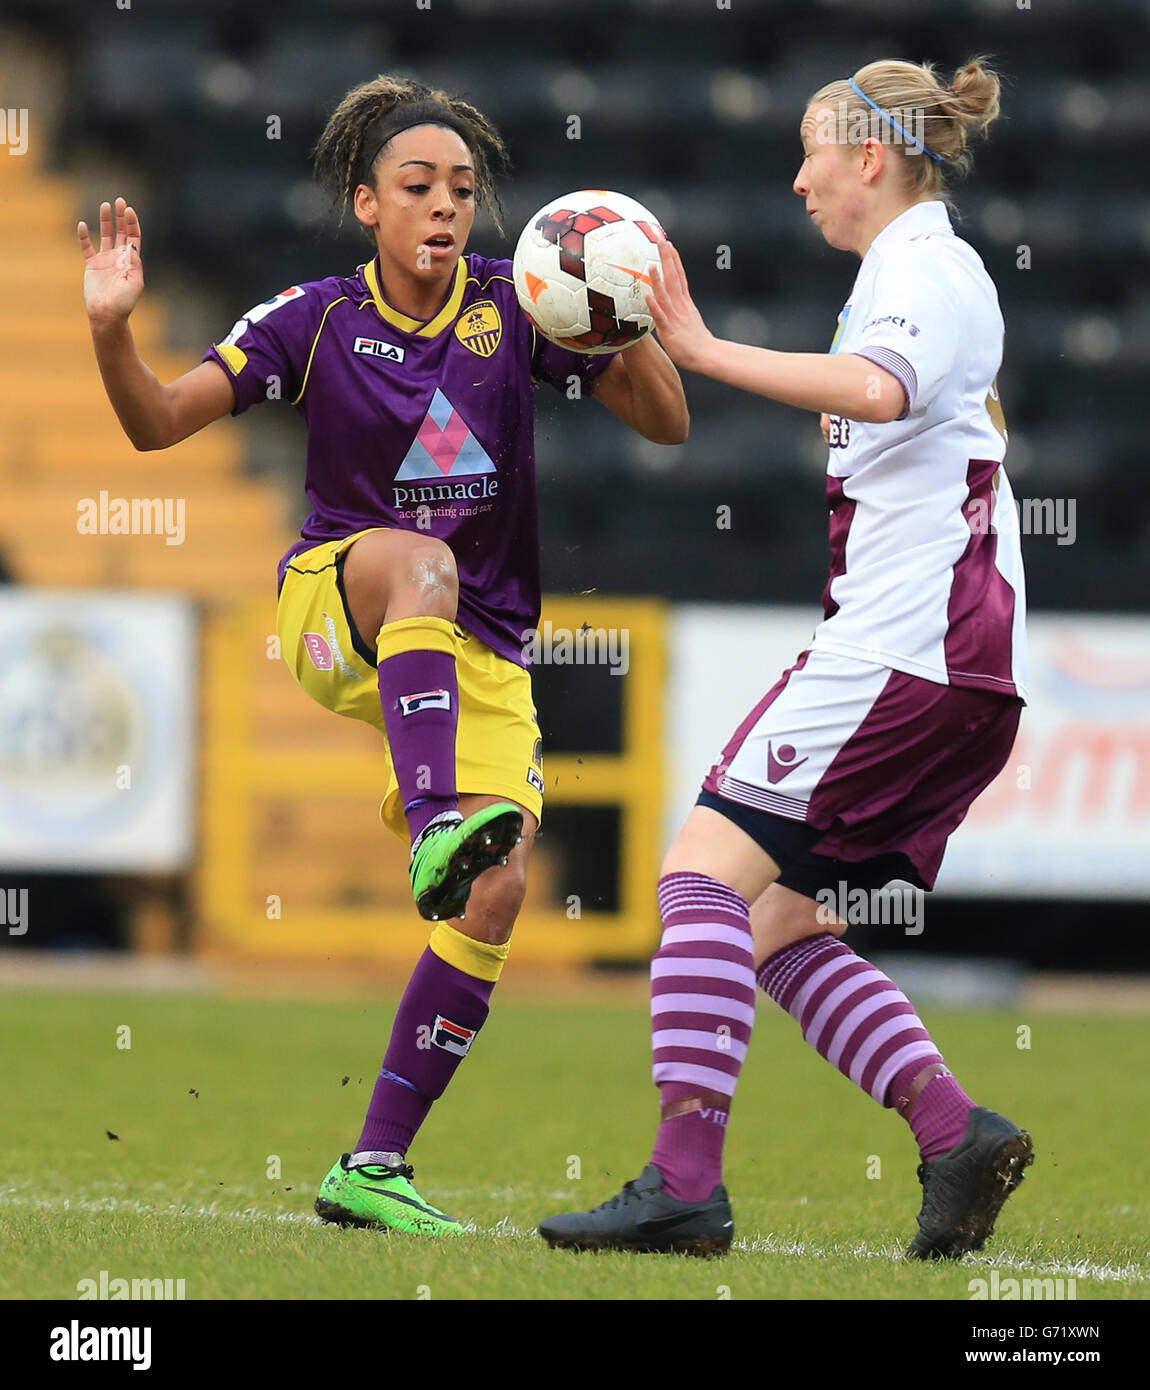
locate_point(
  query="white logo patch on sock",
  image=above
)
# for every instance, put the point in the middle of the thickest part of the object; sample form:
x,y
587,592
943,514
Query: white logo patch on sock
x,y
425,699
452,1037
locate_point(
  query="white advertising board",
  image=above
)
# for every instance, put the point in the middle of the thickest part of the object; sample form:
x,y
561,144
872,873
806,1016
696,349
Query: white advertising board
x,y
97,752
1069,816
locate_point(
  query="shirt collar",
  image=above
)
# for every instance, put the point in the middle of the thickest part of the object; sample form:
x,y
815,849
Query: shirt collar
x,y
447,314
918,219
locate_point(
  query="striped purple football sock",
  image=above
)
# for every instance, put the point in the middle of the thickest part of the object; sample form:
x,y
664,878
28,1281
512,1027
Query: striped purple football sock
x,y
702,1011
863,1024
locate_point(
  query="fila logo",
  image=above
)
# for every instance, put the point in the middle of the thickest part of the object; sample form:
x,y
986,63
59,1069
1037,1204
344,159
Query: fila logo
x,y
535,780
782,764
452,1037
425,699
372,347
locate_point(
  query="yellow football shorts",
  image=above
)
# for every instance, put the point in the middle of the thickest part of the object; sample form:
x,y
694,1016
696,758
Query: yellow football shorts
x,y
498,748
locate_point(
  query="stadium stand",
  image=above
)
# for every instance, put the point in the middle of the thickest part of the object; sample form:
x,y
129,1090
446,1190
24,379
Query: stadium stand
x,y
705,133
181,94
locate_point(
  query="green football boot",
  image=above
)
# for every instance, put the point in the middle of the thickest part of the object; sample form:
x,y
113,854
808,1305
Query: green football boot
x,y
452,852
380,1195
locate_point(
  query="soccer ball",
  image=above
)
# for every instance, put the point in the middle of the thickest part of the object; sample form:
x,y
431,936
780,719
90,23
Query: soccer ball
x,y
582,269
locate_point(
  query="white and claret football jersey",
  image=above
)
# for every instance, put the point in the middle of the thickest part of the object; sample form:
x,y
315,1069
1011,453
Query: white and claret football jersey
x,y
926,566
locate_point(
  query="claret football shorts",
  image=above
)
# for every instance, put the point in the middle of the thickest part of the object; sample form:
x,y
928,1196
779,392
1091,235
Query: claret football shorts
x,y
848,771
498,748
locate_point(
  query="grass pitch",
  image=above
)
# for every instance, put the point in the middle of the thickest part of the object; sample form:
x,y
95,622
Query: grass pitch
x,y
228,1111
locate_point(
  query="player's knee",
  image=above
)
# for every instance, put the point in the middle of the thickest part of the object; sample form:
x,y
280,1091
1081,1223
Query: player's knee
x,y
781,917
429,573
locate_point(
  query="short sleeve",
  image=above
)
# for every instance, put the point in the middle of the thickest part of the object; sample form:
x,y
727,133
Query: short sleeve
x,y
265,353
916,323
556,365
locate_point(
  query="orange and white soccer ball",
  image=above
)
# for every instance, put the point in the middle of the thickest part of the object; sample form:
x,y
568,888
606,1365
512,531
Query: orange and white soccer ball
x,y
583,267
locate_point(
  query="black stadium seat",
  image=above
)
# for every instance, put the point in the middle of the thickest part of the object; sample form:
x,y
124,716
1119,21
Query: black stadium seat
x,y
703,124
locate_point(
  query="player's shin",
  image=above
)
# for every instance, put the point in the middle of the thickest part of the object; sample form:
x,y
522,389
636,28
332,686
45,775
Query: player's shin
x,y
702,1012
862,1023
419,693
443,1008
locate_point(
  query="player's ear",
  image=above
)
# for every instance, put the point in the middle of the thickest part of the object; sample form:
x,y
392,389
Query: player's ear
x,y
366,206
873,159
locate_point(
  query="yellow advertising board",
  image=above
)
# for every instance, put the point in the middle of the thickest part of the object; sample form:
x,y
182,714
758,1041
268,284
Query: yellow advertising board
x,y
294,861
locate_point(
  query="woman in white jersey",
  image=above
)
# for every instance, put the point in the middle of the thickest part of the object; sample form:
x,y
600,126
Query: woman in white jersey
x,y
865,756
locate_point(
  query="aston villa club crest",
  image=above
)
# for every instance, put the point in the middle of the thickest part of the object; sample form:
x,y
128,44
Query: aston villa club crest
x,y
479,328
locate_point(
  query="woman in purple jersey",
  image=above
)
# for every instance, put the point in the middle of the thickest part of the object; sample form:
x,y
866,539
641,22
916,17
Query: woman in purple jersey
x,y
856,767
409,599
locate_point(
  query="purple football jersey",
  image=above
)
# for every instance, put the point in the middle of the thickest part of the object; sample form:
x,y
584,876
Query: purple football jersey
x,y
418,426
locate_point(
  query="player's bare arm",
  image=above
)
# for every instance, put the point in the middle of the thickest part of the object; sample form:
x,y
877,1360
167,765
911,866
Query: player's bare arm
x,y
829,383
642,387
153,415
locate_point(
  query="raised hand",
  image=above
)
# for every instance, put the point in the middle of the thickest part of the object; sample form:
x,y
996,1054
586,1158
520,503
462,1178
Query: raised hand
x,y
686,339
113,275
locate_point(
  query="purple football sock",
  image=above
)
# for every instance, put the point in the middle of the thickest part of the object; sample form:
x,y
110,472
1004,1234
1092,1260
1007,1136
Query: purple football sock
x,y
442,1010
938,1117
419,692
689,1145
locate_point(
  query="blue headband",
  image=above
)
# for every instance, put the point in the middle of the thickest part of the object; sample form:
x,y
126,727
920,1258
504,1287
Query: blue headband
x,y
889,118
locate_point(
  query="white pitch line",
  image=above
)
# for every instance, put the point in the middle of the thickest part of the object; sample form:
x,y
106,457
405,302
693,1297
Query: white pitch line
x,y
1082,1269
135,1207
504,1227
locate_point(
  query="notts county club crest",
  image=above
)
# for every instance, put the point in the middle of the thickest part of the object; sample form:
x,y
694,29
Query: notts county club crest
x,y
479,328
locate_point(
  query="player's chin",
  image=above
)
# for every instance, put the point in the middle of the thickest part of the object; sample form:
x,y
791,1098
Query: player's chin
x,y
435,267
437,263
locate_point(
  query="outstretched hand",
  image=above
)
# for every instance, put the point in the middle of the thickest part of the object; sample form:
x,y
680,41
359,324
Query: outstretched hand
x,y
113,275
685,338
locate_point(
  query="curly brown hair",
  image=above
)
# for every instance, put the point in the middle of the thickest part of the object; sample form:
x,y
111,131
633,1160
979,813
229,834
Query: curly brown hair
x,y
352,141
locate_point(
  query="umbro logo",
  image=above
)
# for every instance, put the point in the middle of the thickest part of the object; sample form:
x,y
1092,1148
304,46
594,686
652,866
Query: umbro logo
x,y
373,347
782,763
